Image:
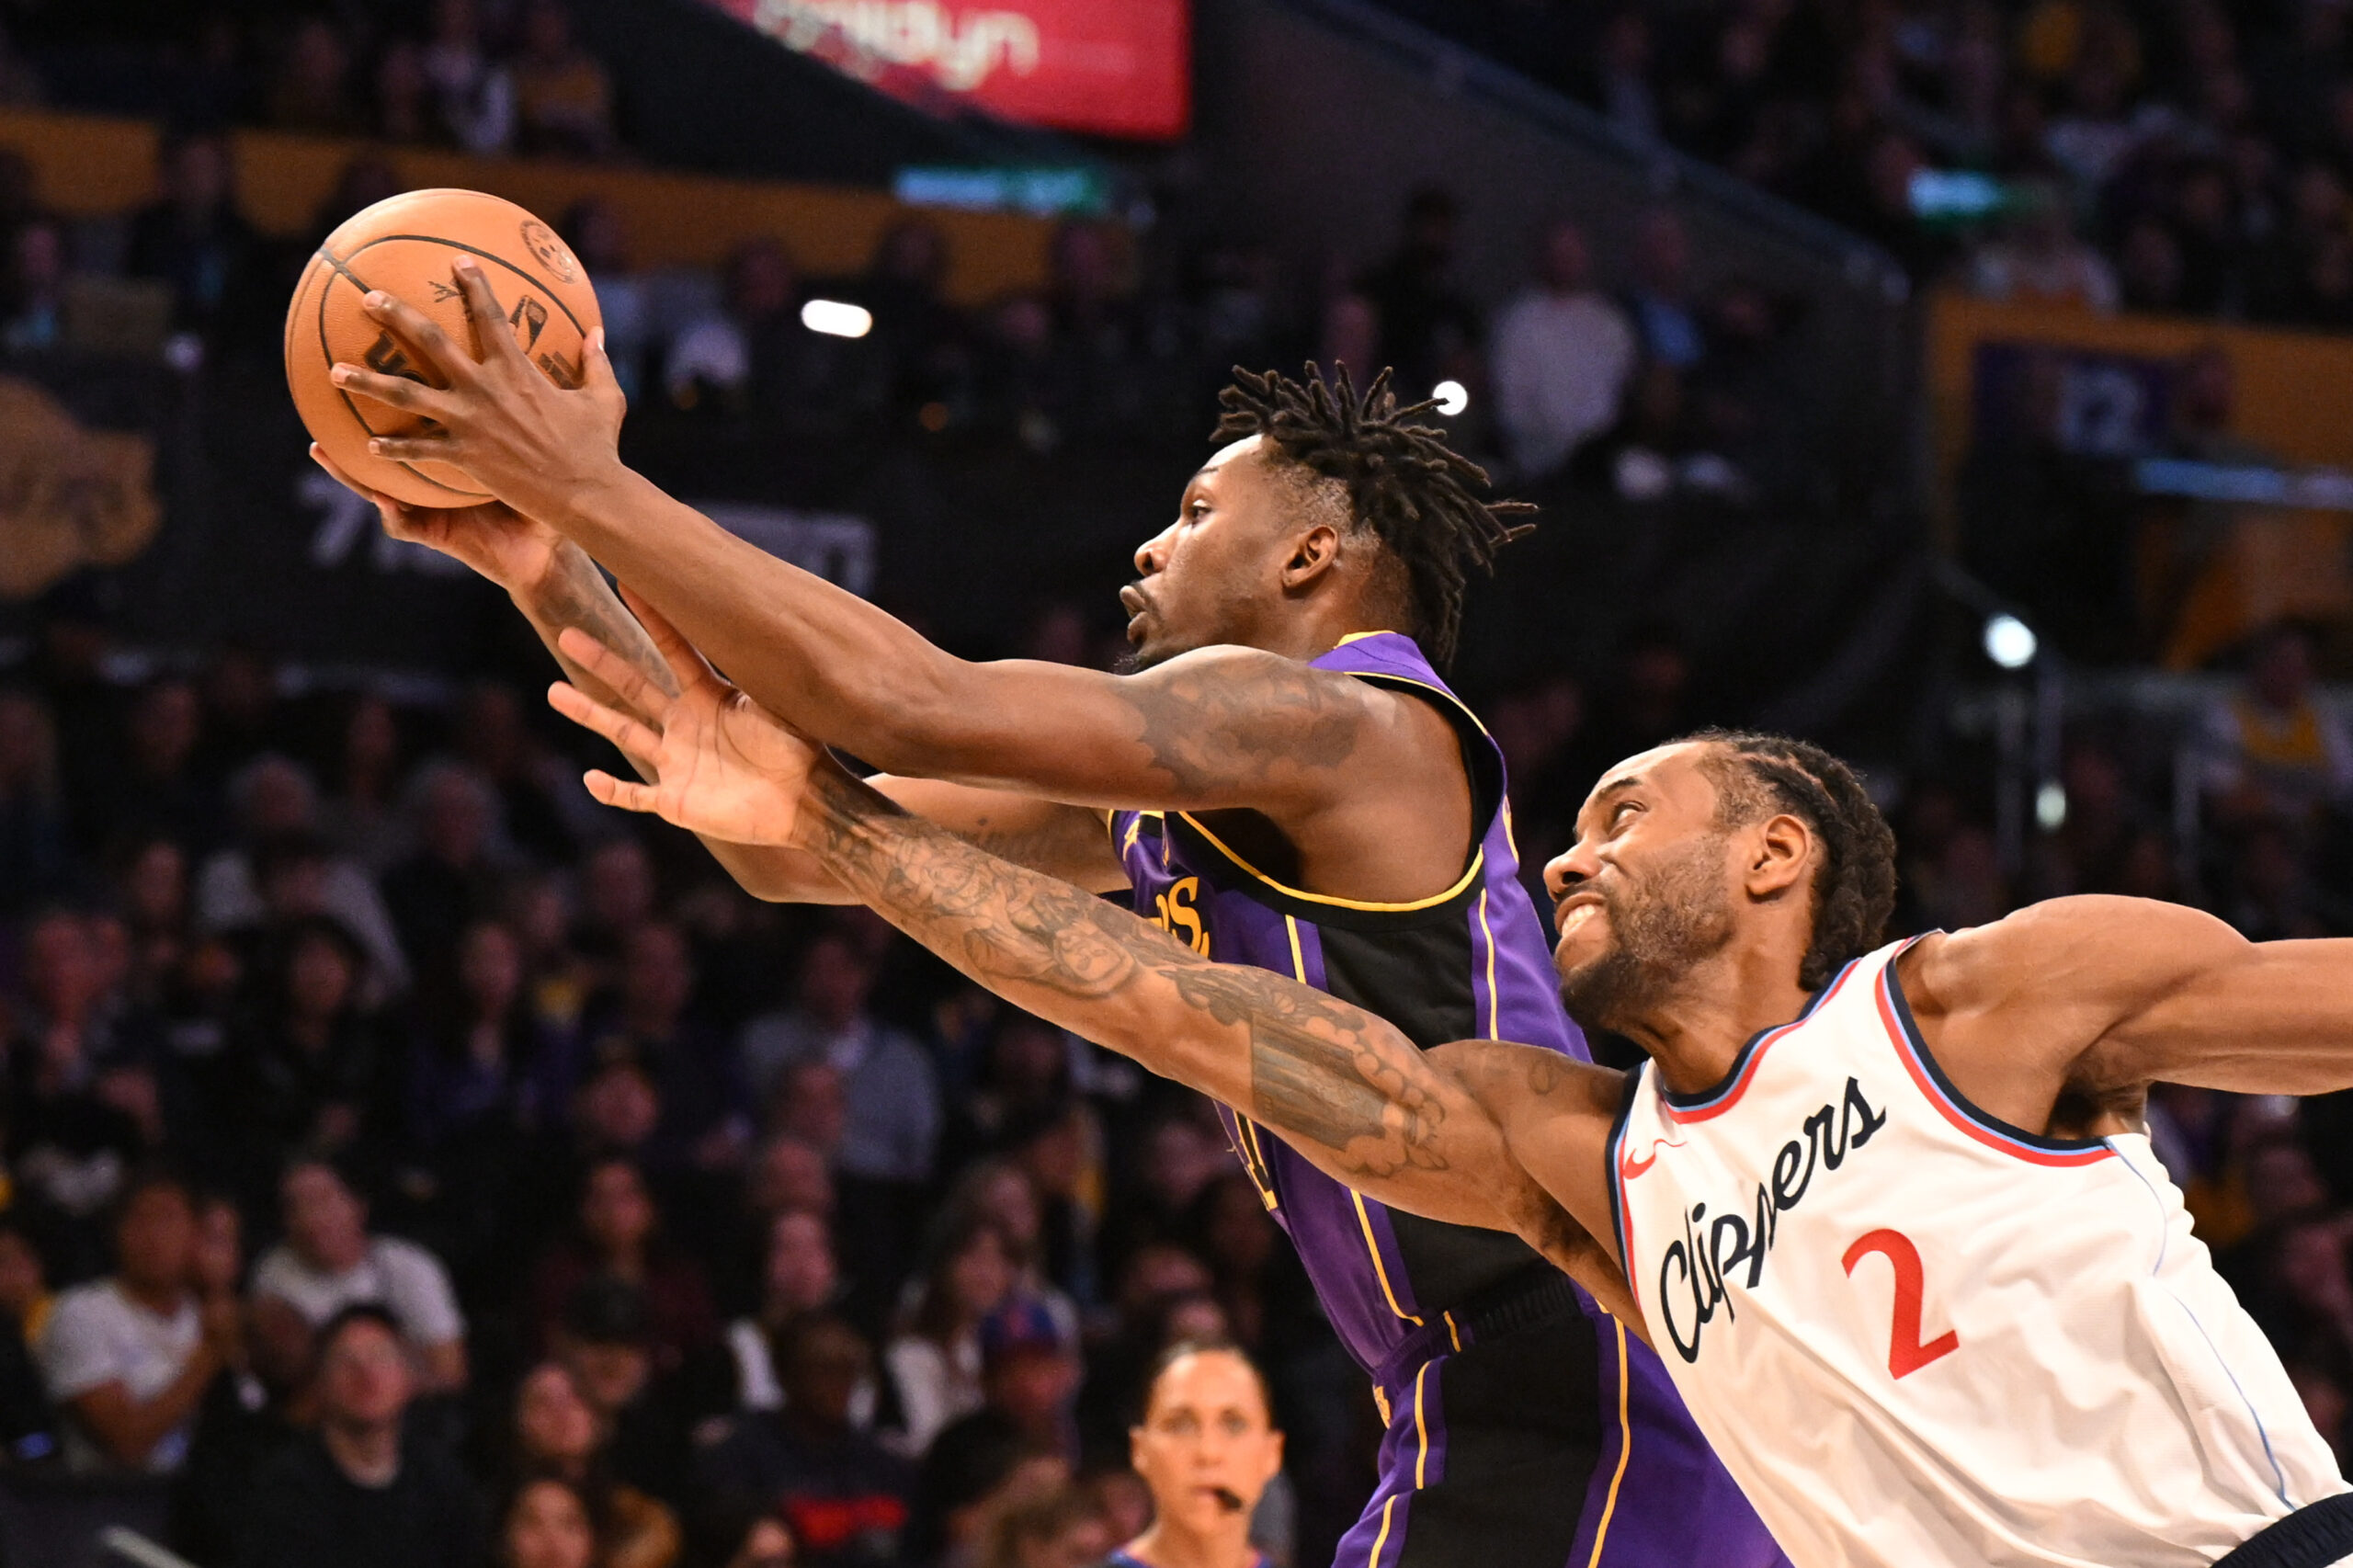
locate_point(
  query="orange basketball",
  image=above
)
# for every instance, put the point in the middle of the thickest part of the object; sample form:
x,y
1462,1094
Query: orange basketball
x,y
405,246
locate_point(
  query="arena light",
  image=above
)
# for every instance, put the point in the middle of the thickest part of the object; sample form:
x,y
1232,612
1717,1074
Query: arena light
x,y
2010,642
837,319
1453,397
2051,806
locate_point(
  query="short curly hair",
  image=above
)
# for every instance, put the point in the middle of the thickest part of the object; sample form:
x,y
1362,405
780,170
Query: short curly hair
x,y
1422,498
1854,887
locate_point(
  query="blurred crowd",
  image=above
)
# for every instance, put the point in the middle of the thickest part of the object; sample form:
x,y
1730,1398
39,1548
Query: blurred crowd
x,y
1616,369
396,1149
2190,156
396,1143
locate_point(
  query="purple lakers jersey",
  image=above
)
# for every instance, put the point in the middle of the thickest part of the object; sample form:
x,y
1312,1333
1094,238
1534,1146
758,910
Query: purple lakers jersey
x,y
1472,962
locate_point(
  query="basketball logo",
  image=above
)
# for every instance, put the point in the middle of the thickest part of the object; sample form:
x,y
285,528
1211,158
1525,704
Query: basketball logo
x,y
552,254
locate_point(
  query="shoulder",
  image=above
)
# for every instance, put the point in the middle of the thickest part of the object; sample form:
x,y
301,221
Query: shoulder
x,y
280,1273
2062,943
98,1301
400,1258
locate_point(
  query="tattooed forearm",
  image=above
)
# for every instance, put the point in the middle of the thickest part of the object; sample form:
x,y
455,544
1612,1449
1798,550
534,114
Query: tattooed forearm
x,y
1210,728
574,593
1303,1063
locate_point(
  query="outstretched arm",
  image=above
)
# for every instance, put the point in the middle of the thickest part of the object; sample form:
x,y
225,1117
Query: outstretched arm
x,y
1220,727
2103,996
631,652
1344,1088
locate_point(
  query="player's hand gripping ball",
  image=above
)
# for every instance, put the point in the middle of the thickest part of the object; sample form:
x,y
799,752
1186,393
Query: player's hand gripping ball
x,y
405,246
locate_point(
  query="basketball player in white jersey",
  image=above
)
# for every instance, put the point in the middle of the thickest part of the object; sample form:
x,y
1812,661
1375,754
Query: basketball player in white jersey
x,y
1889,1213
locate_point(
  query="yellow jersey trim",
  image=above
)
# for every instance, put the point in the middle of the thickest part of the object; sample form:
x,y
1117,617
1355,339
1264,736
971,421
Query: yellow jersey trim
x,y
1361,636
1625,1453
1382,1539
1478,862
1421,1432
1379,1267
1495,1002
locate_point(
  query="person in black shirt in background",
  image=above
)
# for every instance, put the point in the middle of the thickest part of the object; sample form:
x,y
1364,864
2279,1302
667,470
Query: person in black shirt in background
x,y
358,1492
844,1499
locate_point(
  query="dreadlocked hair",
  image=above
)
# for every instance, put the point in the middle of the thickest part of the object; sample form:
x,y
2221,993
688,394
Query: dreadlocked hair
x,y
1420,497
1854,887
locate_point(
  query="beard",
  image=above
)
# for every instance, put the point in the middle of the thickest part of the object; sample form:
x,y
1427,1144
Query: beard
x,y
1677,916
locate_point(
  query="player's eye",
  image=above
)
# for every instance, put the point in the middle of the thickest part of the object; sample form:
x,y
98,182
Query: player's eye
x,y
1618,813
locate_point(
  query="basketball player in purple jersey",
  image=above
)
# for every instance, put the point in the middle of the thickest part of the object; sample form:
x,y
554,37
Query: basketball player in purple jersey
x,y
1286,782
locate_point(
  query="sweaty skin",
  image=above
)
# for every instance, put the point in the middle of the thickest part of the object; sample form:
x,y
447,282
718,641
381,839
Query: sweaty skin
x,y
1330,783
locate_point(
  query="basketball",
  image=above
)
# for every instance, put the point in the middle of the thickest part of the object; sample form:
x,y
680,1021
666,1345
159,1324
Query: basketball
x,y
405,246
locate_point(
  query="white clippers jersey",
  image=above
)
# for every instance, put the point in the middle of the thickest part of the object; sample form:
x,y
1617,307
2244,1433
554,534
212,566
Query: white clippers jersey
x,y
1919,1337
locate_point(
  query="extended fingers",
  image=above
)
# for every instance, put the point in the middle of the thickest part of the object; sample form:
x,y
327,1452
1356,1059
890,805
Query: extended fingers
x,y
612,791
436,447
616,726
319,456
397,391
420,331
490,319
625,679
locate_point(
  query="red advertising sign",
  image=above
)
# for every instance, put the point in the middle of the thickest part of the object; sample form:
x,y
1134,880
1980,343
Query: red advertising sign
x,y
1110,67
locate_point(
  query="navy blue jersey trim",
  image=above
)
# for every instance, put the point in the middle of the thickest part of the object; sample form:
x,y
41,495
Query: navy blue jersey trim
x,y
1958,1101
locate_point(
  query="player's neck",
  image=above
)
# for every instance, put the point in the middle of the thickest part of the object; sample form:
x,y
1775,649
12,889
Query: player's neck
x,y
1696,1032
1168,1544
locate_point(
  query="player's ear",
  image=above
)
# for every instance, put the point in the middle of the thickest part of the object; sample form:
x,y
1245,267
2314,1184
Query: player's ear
x,y
1781,856
1313,553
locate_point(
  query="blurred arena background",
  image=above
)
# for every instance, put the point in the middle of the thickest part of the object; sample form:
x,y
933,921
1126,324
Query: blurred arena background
x,y
1958,382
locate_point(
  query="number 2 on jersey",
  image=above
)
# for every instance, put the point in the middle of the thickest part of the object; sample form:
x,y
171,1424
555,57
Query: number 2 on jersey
x,y
1905,1353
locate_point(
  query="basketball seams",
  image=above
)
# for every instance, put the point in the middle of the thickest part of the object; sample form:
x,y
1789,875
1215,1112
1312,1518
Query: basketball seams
x,y
537,282
342,270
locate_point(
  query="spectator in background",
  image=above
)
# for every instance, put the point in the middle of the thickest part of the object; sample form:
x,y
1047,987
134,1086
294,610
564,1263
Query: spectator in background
x,y
360,818
83,1105
563,97
1207,1446
706,1119
595,229
128,1357
473,95
484,1067
453,876
893,1100
556,1432
842,1496
404,110
360,1491
799,1275
2271,748
153,782
619,1237
276,803
192,237
1559,357
1665,319
1062,1529
1425,320
546,1524
2042,260
314,89
328,1262
934,1358
1620,74
602,1337
313,1064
